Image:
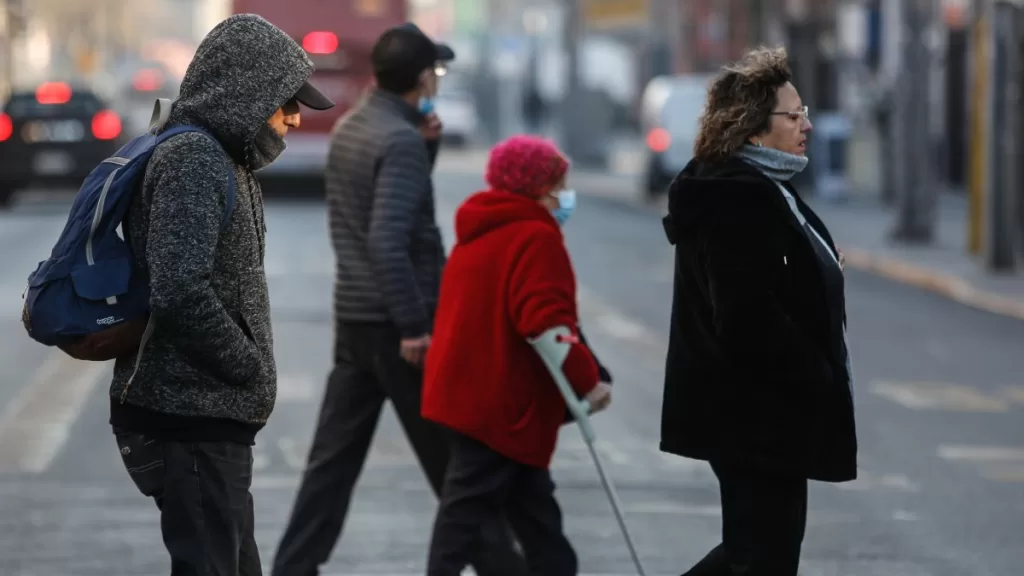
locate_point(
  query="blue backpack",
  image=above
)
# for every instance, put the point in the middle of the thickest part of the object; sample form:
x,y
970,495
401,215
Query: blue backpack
x,y
90,298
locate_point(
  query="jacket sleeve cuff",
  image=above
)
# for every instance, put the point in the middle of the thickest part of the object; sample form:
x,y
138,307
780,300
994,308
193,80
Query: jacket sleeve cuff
x,y
581,370
414,329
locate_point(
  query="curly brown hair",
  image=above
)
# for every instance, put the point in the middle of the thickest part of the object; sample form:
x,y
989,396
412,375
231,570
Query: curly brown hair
x,y
740,102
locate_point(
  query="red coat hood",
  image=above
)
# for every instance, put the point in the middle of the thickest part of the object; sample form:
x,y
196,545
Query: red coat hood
x,y
489,210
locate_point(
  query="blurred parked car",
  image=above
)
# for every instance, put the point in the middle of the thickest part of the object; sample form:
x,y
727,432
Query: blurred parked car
x,y
457,110
54,137
139,84
671,109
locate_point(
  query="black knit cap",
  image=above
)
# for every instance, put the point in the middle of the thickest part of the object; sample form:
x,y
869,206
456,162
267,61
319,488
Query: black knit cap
x,y
402,53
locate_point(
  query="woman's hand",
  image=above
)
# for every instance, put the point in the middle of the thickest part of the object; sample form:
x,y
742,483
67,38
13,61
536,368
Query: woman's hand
x,y
600,397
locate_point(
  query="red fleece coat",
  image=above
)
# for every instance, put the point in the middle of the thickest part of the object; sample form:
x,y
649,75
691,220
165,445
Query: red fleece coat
x,y
508,279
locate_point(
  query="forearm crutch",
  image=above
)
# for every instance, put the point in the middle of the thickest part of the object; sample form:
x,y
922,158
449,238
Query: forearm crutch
x,y
553,347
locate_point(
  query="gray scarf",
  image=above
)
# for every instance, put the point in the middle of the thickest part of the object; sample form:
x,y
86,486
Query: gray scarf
x,y
777,165
265,148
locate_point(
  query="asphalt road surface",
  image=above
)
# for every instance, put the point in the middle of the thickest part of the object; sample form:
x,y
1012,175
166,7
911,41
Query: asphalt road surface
x,y
939,388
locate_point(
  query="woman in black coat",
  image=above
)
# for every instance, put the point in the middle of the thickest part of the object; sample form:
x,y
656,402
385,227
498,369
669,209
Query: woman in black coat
x,y
758,377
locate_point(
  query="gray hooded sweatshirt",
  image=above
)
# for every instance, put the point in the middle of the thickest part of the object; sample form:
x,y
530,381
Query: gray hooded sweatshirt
x,y
207,373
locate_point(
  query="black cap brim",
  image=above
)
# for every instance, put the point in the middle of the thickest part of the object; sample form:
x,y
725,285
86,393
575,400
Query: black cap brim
x,y
444,52
310,97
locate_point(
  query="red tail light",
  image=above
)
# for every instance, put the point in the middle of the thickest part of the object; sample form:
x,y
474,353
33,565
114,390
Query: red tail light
x,y
320,43
106,125
658,140
147,80
53,93
6,127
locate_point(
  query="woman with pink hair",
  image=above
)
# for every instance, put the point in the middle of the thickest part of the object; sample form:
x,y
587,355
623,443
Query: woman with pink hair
x,y
508,280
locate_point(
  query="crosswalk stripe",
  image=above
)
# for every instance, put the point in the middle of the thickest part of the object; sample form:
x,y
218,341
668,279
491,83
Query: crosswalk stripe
x,y
981,453
1003,464
945,396
35,425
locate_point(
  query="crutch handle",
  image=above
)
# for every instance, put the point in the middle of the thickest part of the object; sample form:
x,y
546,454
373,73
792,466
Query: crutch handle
x,y
553,347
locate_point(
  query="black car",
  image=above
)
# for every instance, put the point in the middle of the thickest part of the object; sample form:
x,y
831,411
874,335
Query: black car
x,y
54,137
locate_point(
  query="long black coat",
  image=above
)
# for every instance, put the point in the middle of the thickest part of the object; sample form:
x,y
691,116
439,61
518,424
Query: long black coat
x,y
750,374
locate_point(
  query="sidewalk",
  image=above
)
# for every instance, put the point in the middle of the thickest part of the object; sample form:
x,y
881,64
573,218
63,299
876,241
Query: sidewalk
x,y
862,225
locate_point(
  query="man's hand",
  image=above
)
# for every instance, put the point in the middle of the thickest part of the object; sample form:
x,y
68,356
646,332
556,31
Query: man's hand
x,y
414,350
431,127
600,397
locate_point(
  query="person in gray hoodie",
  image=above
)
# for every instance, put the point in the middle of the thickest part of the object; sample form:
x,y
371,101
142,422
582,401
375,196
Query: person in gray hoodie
x,y
186,411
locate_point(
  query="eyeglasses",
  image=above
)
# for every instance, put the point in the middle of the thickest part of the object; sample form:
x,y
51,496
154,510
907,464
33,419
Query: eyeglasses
x,y
802,114
440,69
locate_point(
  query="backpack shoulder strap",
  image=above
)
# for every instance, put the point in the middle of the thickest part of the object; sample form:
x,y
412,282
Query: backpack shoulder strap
x,y
161,114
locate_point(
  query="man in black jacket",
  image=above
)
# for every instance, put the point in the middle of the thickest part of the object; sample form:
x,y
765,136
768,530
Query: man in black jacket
x,y
389,256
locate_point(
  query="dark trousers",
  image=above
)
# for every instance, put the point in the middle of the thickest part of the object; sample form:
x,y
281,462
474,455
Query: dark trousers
x,y
764,515
368,370
482,485
202,491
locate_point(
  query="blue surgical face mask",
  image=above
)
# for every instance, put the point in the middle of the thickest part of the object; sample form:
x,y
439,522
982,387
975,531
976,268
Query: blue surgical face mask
x,y
566,206
426,105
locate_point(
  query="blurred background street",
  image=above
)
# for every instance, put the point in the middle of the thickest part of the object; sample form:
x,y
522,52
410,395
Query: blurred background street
x,y
918,169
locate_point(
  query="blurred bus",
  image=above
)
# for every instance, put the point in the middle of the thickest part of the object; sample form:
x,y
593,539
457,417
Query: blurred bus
x,y
338,35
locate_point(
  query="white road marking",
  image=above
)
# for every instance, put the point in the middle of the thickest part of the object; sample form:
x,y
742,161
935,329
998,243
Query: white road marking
x,y
467,572
620,327
34,427
1000,473
904,516
672,508
1016,394
295,388
293,455
939,396
995,463
260,458
593,308
872,481
981,453
572,455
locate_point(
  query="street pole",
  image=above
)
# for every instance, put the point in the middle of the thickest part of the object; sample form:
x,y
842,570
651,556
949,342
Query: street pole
x,y
979,118
10,21
917,194
571,110
1004,178
803,31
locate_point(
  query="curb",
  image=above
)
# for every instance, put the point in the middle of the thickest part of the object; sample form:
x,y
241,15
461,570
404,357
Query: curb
x,y
952,287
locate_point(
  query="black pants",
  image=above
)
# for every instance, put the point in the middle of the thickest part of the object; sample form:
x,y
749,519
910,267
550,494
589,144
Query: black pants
x,y
368,370
202,491
482,485
764,515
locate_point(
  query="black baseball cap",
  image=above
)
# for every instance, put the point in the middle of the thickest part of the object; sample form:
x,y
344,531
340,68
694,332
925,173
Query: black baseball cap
x,y
310,97
406,50
443,52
